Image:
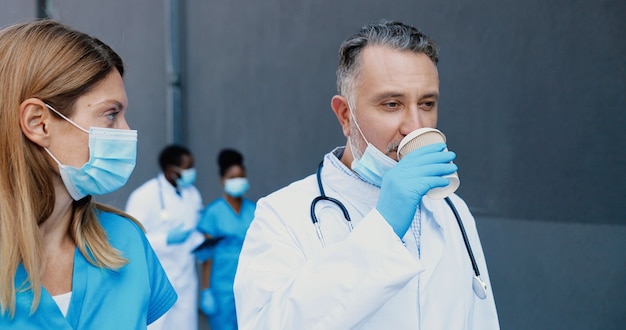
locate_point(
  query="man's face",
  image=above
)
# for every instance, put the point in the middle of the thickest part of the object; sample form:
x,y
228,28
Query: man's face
x,y
173,172
396,93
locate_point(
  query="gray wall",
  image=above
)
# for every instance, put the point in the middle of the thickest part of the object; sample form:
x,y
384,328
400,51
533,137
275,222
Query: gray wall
x,y
533,99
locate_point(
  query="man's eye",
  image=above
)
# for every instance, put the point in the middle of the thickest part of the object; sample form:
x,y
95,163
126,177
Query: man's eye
x,y
429,105
112,115
392,105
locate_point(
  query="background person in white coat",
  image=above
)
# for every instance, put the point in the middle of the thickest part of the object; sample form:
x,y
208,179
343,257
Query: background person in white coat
x,y
169,207
404,265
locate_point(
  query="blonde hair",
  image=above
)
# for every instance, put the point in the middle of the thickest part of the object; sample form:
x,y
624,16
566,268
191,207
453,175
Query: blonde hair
x,y
52,62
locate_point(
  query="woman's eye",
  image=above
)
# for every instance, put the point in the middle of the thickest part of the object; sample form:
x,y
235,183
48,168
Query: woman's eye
x,y
111,116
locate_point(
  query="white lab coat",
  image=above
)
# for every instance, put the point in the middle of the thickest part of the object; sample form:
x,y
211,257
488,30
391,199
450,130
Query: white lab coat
x,y
368,279
159,208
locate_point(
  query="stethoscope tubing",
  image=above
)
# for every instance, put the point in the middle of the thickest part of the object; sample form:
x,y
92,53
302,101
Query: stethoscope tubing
x,y
468,246
479,286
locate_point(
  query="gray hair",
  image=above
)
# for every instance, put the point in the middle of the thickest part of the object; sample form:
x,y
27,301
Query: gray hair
x,y
392,34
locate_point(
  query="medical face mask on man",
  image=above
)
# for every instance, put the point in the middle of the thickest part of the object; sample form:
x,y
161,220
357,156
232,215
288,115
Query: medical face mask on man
x,y
373,163
112,158
236,187
187,178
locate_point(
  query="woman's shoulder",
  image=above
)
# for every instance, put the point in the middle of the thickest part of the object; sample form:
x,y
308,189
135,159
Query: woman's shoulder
x,y
216,204
249,202
118,226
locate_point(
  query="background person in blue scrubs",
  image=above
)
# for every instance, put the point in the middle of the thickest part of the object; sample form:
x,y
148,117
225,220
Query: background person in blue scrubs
x,y
67,261
226,219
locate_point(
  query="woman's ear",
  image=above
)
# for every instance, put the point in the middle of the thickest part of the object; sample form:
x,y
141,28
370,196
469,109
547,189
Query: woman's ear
x,y
342,111
34,121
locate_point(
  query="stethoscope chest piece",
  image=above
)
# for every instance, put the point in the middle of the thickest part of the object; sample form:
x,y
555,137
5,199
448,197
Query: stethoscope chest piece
x,y
480,288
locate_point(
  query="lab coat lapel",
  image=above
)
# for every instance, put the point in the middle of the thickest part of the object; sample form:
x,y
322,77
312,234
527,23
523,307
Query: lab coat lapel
x,y
431,240
341,182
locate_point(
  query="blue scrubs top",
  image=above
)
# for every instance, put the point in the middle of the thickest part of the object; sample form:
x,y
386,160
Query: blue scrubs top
x,y
220,220
130,298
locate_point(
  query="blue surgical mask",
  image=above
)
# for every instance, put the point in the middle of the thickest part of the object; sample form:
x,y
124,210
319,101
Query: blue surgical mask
x,y
112,158
187,178
373,164
236,187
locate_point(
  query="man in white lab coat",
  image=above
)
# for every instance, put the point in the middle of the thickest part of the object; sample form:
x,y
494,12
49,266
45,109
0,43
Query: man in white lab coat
x,y
169,206
405,264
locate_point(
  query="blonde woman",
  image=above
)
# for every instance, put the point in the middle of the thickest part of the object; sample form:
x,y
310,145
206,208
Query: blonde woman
x,y
68,262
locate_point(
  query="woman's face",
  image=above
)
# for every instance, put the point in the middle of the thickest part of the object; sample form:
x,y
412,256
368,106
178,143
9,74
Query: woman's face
x,y
103,106
235,171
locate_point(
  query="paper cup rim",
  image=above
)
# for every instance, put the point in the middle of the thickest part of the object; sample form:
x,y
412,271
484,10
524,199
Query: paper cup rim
x,y
409,137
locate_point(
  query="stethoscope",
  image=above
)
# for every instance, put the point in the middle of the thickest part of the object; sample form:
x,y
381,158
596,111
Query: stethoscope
x,y
164,215
479,287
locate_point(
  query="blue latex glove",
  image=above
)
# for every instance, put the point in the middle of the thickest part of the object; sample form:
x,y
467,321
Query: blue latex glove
x,y
177,235
208,306
406,183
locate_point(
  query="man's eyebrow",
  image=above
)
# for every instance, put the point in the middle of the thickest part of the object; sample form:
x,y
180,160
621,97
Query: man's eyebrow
x,y
429,95
388,95
392,95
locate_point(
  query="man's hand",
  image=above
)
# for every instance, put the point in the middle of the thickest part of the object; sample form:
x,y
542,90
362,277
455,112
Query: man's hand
x,y
406,183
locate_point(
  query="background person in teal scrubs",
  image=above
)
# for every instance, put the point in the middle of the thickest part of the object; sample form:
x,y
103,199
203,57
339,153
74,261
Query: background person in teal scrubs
x,y
67,261
227,219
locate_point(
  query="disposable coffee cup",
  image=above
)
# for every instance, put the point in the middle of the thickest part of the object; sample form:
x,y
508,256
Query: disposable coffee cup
x,y
422,137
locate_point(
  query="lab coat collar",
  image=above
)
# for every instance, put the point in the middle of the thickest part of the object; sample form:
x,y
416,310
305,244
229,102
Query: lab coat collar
x,y
345,181
432,238
334,175
431,207
163,181
340,179
167,186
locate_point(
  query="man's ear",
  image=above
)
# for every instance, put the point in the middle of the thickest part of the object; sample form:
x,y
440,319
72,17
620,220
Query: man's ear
x,y
342,111
34,121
